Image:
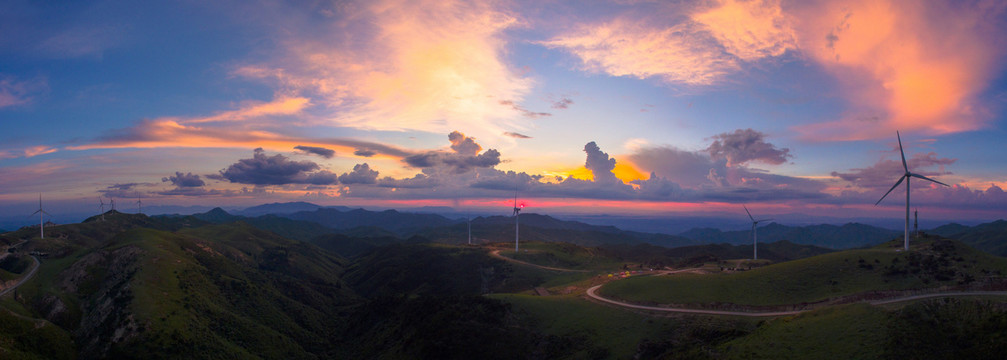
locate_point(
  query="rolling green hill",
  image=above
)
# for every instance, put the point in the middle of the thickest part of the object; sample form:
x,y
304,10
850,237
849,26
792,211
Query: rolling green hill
x,y
930,263
989,237
126,291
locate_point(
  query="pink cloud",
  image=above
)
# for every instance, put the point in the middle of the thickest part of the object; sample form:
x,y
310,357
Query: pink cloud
x,y
903,65
431,66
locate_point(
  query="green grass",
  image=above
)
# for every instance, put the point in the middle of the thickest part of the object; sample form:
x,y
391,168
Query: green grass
x,y
615,330
817,278
617,333
564,255
20,339
856,331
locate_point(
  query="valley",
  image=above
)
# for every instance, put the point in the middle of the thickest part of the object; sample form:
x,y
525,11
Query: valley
x,y
271,287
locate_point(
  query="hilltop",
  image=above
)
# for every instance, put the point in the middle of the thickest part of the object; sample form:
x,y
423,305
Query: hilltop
x,y
847,236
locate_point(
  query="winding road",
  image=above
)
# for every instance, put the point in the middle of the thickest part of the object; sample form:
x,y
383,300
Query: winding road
x,y
23,279
592,292
496,254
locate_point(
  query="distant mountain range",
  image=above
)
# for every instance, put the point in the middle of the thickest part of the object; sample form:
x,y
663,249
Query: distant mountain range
x,y
304,221
989,237
847,236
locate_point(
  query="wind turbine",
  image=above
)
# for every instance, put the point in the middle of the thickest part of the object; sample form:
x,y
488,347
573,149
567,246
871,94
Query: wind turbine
x,y
101,205
755,235
41,225
139,204
469,220
905,177
517,211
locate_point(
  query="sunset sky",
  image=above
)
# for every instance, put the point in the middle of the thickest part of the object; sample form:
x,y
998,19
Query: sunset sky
x,y
619,107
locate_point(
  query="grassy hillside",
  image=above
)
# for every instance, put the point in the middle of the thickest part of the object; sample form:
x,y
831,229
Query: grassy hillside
x,y
989,237
220,289
603,332
856,331
929,264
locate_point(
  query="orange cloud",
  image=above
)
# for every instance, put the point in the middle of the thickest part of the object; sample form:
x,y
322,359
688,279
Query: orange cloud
x,y
434,66
172,132
702,50
750,30
624,172
627,47
903,65
282,105
38,150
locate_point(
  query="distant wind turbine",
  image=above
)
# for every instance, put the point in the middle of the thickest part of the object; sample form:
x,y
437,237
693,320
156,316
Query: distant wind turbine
x,y
101,205
905,177
41,225
517,211
755,236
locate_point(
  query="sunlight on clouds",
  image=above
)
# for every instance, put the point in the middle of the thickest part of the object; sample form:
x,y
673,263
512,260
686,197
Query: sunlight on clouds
x,y
625,47
700,51
624,172
174,133
904,65
750,30
433,66
281,105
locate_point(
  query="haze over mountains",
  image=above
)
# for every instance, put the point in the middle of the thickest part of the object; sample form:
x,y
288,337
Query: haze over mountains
x,y
313,220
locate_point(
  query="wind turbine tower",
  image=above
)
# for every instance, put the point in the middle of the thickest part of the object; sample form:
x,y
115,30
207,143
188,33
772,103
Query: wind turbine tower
x,y
517,211
41,224
755,235
469,220
139,204
905,177
101,205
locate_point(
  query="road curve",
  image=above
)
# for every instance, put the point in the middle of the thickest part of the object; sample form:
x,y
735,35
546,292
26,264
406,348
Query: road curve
x,y
23,279
496,253
593,295
592,292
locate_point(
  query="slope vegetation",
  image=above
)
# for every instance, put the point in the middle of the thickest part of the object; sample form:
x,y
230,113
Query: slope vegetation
x,y
929,264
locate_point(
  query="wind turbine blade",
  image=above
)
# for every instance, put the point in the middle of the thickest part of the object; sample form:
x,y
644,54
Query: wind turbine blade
x,y
926,178
890,190
903,153
749,213
36,212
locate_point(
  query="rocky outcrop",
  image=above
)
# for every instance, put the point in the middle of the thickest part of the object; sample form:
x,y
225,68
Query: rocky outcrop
x,y
102,281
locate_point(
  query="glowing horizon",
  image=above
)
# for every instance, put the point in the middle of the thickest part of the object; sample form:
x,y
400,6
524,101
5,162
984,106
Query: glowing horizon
x,y
614,107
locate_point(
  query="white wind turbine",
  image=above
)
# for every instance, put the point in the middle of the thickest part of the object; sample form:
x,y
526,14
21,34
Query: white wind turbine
x,y
517,211
755,235
41,225
905,177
